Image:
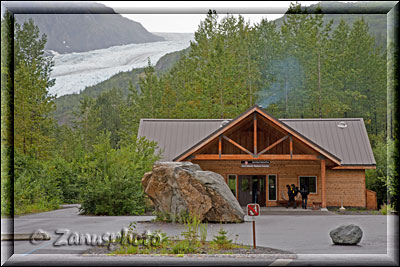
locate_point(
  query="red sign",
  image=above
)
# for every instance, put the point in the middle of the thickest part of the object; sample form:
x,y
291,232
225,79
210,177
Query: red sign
x,y
253,209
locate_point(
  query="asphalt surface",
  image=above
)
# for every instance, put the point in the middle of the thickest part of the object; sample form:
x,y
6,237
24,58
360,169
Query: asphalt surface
x,y
304,234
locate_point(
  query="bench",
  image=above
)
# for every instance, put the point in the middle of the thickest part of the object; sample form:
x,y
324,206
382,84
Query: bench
x,y
284,200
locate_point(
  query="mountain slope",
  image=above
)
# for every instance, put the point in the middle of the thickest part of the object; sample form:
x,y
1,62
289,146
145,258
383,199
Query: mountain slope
x,y
374,13
94,27
68,104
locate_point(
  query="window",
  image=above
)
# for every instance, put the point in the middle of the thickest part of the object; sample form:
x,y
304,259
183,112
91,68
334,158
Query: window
x,y
310,182
232,183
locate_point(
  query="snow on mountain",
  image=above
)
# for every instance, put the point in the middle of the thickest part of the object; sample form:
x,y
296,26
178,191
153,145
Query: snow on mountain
x,y
75,71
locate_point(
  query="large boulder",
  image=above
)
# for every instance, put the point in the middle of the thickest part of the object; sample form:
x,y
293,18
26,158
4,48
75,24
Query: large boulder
x,y
182,187
346,235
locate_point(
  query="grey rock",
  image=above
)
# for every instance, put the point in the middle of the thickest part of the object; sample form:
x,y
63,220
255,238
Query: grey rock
x,y
182,187
346,235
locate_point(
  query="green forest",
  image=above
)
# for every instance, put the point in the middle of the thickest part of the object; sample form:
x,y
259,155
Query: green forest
x,y
302,69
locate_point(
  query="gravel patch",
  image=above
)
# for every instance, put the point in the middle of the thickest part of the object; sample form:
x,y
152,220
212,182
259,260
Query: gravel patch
x,y
244,250
359,212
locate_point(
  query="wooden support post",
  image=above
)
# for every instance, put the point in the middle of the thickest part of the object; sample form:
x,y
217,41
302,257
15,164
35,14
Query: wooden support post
x,y
323,183
291,147
254,234
255,133
220,146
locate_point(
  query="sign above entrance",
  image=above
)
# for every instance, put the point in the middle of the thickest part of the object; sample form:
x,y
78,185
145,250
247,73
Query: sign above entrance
x,y
255,163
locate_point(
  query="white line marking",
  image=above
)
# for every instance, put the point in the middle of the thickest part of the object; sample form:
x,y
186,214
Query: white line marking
x,y
33,250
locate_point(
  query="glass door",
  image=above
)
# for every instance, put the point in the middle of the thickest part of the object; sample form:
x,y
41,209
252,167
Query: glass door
x,y
245,189
272,187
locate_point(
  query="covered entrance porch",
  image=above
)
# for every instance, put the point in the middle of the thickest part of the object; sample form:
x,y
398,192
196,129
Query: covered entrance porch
x,y
257,189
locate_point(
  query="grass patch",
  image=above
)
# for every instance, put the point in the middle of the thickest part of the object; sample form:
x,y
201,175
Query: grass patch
x,y
385,209
192,241
35,208
179,248
354,211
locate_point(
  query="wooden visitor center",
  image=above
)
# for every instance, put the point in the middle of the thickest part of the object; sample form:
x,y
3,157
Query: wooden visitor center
x,y
258,155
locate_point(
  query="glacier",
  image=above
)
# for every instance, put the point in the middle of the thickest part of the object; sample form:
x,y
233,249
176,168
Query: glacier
x,y
73,72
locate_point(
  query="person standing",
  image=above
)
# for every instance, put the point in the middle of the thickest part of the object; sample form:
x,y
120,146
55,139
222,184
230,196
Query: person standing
x,y
304,195
295,191
291,196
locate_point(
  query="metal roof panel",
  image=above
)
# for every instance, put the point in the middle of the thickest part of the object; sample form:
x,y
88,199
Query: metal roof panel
x,y
350,144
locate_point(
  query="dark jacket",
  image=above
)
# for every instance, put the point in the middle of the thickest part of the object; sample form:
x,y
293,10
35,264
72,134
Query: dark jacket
x,y
291,192
304,192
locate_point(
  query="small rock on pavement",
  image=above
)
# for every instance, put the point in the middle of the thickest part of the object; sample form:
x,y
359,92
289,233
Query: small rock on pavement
x,y
346,235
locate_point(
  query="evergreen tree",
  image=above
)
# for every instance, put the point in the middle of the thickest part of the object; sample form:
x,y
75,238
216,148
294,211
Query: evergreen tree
x,y
7,142
33,124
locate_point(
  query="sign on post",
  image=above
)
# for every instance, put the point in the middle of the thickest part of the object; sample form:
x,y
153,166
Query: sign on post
x,y
253,210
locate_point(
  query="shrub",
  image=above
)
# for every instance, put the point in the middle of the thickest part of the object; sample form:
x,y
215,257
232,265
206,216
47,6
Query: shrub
x,y
114,177
66,175
34,189
385,209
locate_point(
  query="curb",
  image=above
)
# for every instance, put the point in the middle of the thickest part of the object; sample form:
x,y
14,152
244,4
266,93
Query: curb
x,y
25,237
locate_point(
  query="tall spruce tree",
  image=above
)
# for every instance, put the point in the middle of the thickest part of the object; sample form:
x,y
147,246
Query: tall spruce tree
x,y
33,124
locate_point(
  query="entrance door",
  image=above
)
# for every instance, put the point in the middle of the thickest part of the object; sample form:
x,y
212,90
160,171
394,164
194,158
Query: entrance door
x,y
245,189
252,189
262,200
272,188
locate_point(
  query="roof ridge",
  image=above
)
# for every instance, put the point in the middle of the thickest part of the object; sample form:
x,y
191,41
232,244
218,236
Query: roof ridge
x,y
283,119
150,119
323,119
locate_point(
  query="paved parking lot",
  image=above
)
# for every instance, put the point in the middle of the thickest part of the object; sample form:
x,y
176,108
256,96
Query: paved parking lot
x,y
303,234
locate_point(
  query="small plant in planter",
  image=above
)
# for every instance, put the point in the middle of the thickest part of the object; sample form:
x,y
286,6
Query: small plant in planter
x,y
191,236
203,229
221,240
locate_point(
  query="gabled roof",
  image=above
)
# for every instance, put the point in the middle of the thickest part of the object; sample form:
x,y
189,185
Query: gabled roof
x,y
350,145
244,115
174,136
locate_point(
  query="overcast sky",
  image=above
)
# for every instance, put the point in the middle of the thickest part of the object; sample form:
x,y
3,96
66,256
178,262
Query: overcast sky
x,y
172,22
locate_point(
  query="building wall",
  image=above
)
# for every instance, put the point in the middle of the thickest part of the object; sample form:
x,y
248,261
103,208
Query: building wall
x,y
346,184
372,203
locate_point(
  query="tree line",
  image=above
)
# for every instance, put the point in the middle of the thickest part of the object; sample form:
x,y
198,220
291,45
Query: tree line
x,y
302,69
